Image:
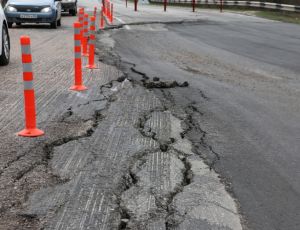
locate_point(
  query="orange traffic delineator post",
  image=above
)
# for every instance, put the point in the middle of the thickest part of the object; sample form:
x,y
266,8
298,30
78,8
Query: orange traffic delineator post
x,y
80,13
85,35
80,19
29,99
78,86
102,18
104,7
95,12
108,9
95,15
92,42
111,13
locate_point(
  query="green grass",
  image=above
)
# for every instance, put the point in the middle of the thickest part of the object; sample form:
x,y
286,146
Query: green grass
x,y
280,16
283,16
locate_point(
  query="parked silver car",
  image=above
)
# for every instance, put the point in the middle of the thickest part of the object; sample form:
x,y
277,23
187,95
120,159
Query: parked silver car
x,y
33,11
4,39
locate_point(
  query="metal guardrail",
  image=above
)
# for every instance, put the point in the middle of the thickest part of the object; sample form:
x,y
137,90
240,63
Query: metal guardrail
x,y
267,5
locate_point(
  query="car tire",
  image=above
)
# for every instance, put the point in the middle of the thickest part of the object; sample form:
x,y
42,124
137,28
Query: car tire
x,y
9,24
4,57
73,12
59,22
18,23
53,25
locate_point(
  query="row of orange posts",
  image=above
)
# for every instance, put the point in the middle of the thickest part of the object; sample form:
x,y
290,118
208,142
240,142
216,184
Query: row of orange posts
x,y
84,45
108,9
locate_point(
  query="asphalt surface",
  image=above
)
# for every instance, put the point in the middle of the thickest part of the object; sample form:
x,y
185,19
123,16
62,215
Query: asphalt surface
x,y
137,152
248,71
25,163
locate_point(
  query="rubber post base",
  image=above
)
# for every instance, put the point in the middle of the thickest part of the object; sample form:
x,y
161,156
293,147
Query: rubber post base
x,y
31,133
91,66
78,88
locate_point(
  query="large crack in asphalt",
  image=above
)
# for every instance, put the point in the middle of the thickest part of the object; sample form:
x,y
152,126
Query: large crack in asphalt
x,y
192,126
174,22
131,179
165,208
190,122
191,131
170,222
92,124
41,153
138,184
49,147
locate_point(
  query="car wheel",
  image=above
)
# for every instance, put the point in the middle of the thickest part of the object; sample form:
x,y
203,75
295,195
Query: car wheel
x,y
73,12
54,25
9,24
59,22
4,57
18,23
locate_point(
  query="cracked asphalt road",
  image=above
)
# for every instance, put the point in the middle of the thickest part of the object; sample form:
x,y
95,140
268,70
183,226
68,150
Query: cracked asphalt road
x,y
180,129
243,99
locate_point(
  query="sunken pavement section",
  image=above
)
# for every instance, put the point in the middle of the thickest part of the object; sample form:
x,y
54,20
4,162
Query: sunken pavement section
x,y
115,157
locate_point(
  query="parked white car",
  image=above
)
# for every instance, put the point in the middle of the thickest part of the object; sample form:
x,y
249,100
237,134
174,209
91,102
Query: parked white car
x,y
4,39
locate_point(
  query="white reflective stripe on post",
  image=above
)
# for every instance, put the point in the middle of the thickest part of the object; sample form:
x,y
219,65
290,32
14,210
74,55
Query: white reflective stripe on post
x,y
77,54
92,32
77,31
86,26
92,42
25,49
77,42
27,67
28,85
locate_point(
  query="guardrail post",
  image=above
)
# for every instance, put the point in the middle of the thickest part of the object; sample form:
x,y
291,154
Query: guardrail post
x,y
193,5
135,5
29,98
221,6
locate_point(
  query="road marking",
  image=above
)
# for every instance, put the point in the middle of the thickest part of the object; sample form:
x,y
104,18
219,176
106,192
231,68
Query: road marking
x,y
126,26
